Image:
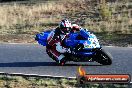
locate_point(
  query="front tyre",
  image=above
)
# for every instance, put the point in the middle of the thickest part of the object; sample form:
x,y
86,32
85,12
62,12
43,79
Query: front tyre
x,y
103,57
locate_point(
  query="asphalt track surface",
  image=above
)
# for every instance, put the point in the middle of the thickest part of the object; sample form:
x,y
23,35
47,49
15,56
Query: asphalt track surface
x,y
32,59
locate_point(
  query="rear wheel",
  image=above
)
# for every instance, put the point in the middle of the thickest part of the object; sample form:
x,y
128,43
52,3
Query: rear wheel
x,y
103,57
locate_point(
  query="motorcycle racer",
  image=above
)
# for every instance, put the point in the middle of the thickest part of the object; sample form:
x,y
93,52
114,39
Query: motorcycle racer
x,y
55,42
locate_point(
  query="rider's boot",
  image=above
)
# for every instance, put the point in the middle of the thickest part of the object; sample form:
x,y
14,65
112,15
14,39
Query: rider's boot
x,y
62,61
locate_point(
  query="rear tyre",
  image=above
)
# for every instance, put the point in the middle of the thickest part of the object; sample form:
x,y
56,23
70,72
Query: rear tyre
x,y
103,57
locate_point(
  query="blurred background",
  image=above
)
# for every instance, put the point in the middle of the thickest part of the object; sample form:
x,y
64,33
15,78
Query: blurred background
x,y
22,19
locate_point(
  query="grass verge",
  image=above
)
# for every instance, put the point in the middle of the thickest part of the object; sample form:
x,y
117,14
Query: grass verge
x,y
19,22
9,81
22,18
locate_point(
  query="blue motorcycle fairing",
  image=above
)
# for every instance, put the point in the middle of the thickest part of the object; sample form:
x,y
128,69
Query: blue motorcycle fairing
x,y
89,43
42,38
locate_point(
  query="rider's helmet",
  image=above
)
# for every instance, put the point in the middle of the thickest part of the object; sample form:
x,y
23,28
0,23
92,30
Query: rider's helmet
x,y
75,27
65,26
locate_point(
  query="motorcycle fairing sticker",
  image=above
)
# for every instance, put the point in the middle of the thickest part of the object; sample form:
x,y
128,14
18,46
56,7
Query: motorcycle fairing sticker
x,y
92,42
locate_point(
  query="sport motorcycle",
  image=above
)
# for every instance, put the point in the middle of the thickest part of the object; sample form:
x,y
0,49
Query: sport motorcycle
x,y
84,47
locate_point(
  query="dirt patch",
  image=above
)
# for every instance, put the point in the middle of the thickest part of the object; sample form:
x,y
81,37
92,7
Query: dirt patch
x,y
21,38
122,40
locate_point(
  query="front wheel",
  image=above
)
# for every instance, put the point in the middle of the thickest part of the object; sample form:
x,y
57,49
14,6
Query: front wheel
x,y
103,57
